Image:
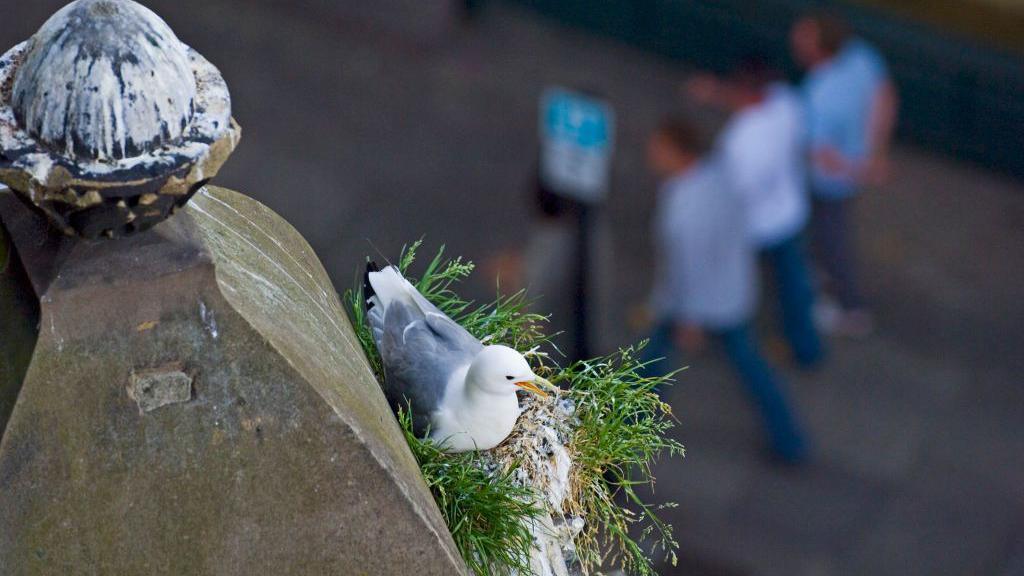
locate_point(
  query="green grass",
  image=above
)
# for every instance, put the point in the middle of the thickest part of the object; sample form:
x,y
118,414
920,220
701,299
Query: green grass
x,y
622,428
484,511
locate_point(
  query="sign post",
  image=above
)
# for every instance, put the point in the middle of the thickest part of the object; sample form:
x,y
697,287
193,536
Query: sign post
x,y
577,136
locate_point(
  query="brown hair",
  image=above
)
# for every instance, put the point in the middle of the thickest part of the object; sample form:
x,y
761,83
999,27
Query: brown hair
x,y
683,134
754,71
832,31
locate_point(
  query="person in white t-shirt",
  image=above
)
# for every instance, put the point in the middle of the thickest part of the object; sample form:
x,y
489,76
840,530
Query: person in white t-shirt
x,y
761,151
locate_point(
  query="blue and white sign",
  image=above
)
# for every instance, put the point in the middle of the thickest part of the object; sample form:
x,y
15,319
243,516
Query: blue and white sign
x,y
577,137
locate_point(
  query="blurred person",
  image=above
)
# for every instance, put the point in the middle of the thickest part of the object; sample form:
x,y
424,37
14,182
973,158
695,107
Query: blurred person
x,y
706,282
851,106
547,267
550,261
761,150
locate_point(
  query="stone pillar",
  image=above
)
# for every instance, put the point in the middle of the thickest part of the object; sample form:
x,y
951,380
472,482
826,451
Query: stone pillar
x,y
180,395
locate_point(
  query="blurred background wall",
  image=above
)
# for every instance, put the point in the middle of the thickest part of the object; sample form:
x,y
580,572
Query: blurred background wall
x,y
957,64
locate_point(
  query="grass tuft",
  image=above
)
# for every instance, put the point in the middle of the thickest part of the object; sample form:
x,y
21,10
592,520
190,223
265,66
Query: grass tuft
x,y
486,513
623,428
620,428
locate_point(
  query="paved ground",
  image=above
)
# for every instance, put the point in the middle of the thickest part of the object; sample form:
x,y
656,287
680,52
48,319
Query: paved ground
x,y
354,135
919,429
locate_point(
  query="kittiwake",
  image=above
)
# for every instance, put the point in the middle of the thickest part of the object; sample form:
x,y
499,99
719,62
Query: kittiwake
x,y
460,391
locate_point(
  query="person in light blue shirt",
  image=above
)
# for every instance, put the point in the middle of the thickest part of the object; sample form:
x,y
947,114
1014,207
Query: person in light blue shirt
x,y
706,277
840,97
851,112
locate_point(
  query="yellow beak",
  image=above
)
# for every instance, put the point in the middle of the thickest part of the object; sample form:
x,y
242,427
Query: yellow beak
x,y
535,386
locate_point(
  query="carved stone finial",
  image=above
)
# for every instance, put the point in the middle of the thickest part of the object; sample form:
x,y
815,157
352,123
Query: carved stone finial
x,y
108,123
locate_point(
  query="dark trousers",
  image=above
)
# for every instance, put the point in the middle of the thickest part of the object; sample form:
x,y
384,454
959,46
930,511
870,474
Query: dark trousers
x,y
761,383
787,264
835,246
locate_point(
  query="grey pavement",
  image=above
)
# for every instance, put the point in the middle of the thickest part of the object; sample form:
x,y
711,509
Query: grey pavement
x,y
365,139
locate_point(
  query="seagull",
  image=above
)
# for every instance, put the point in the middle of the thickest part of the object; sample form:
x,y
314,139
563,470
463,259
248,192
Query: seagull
x,y
461,392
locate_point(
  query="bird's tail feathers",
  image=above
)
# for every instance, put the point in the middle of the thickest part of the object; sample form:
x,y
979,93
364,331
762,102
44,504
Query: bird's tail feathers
x,y
387,285
369,295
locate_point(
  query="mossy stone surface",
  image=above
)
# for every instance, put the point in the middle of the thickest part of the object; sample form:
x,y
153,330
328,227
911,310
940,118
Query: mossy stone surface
x,y
197,403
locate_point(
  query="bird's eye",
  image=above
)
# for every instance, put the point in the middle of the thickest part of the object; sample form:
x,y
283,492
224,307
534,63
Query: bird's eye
x,y
510,377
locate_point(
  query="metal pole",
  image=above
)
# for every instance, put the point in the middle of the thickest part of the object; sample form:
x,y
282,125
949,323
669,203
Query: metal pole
x,y
582,329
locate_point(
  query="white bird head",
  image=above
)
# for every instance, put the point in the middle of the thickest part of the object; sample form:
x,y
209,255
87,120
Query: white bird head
x,y
501,370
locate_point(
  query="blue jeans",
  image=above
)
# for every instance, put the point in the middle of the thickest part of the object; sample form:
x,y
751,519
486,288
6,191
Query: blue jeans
x,y
788,265
837,248
761,383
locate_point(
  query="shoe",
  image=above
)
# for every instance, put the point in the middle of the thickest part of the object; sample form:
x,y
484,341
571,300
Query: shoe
x,y
856,324
832,319
826,314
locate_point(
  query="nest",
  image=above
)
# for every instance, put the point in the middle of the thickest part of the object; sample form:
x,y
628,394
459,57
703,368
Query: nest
x,y
539,454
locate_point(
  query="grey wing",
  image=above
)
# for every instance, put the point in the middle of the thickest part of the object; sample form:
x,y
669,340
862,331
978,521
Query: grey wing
x,y
451,332
420,354
445,326
375,318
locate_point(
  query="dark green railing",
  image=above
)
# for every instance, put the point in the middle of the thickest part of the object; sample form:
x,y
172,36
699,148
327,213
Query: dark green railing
x,y
958,97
